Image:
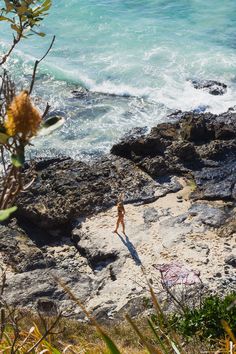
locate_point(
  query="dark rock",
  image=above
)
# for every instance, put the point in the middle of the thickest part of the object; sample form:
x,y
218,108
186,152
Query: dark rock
x,y
150,215
134,307
201,109
112,274
50,233
21,253
193,129
146,145
208,215
81,92
211,86
218,275
102,314
67,189
216,183
154,167
47,306
189,144
231,260
185,152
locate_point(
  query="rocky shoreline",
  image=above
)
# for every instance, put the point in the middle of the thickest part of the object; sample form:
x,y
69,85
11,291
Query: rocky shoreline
x,y
179,187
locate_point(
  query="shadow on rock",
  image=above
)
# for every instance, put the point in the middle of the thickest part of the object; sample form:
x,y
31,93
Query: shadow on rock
x,y
131,249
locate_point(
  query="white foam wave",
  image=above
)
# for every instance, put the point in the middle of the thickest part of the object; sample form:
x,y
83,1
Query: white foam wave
x,y
174,94
186,98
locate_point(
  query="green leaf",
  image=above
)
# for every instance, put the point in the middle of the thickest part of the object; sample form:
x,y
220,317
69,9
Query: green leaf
x,y
8,5
3,18
176,350
151,349
160,341
42,8
41,34
16,28
21,9
18,160
4,138
4,214
110,344
46,5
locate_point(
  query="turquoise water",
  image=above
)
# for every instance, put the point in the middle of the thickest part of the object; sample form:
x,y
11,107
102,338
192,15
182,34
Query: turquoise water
x,y
145,49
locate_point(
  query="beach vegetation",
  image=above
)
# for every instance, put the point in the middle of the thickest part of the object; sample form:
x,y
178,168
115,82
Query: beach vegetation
x,y
23,332
20,120
24,19
204,320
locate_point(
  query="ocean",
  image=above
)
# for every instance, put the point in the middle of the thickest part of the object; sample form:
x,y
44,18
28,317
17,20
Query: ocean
x,y
136,57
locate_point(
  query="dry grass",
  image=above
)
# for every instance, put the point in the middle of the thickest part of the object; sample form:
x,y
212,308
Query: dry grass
x,y
22,332
74,337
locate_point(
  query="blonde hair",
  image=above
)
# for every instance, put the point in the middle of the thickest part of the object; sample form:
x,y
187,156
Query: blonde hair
x,y
120,198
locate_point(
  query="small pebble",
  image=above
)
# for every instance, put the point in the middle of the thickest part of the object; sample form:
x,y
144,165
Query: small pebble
x,y
218,275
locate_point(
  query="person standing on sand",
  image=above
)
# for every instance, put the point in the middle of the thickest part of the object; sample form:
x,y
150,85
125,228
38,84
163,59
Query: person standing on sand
x,y
120,217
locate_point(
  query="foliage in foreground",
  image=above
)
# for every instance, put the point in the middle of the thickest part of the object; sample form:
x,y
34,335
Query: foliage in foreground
x,y
20,120
155,335
204,321
24,17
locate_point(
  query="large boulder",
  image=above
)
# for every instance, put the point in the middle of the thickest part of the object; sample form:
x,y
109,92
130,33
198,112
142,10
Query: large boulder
x,y
202,145
216,182
66,190
189,143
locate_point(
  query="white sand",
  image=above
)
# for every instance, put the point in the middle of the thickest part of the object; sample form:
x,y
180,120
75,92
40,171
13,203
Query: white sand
x,y
187,242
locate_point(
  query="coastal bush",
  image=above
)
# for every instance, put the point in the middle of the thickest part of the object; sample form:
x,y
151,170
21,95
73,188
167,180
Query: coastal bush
x,y
161,337
22,332
20,120
24,17
206,321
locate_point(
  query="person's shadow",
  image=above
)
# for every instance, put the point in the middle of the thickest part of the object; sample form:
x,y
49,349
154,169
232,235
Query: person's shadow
x,y
131,249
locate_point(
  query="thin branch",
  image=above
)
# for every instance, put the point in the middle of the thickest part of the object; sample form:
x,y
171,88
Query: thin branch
x,y
37,63
15,42
16,336
3,282
3,160
46,110
27,186
172,296
45,334
5,185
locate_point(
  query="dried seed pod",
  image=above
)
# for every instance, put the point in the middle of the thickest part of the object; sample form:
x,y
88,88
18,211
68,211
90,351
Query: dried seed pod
x,y
22,117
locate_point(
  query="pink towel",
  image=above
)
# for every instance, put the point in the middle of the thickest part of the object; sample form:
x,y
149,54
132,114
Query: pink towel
x,y
176,273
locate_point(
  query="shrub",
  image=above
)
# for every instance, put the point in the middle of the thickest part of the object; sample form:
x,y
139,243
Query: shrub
x,y
205,321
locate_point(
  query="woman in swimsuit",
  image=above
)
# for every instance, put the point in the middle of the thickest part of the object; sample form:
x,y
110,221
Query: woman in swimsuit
x,y
120,216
